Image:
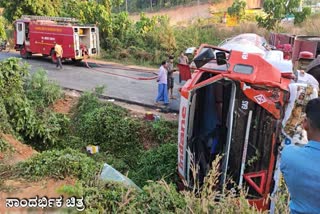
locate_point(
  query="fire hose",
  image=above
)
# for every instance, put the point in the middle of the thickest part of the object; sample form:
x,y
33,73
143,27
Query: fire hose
x,y
121,75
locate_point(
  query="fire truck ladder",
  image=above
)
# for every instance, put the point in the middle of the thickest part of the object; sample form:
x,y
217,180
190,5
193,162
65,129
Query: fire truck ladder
x,y
58,19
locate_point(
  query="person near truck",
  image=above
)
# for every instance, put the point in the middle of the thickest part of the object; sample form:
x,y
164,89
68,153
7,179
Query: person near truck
x,y
183,59
170,77
59,52
300,165
162,85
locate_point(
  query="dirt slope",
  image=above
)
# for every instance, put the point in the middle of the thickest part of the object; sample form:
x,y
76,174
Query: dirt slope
x,y
188,13
20,188
20,151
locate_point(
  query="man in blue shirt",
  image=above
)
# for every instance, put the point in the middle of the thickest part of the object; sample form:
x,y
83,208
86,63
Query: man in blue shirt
x,y
301,165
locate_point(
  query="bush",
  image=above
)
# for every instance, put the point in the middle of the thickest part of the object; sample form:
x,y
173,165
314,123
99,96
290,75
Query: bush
x,y
38,126
160,197
5,126
12,76
4,146
108,126
114,132
156,164
88,102
42,91
165,131
60,164
106,197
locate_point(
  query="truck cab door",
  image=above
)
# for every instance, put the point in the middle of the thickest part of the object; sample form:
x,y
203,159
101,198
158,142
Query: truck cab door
x,y
20,30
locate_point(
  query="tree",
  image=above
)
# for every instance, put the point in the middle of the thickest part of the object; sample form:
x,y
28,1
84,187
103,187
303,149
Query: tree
x,y
276,10
95,13
2,29
237,9
13,9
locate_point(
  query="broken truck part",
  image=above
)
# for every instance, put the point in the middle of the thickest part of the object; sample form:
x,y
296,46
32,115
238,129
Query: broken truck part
x,y
236,105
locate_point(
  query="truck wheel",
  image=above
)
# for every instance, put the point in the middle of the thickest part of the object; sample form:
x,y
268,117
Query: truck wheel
x,y
53,56
24,53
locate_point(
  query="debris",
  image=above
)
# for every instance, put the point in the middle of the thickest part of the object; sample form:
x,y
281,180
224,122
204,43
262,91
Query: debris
x,y
149,116
110,100
92,149
156,117
110,174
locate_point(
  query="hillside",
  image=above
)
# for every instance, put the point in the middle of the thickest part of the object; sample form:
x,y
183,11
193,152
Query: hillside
x,y
182,14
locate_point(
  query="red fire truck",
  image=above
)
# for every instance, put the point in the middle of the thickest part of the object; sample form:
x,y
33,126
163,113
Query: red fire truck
x,y
37,35
293,45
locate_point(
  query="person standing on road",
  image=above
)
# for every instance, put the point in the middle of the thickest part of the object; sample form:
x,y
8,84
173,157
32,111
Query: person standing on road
x,y
170,77
59,52
183,59
300,165
162,85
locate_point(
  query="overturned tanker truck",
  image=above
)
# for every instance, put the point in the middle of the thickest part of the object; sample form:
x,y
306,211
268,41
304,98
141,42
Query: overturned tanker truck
x,y
243,102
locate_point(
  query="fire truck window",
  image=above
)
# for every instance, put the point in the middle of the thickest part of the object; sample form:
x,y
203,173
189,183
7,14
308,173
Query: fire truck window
x,y
19,27
243,69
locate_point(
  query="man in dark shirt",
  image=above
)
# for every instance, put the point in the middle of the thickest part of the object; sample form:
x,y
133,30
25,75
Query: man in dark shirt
x,y
170,77
301,165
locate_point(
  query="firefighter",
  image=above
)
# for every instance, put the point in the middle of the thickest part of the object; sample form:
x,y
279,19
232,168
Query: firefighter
x,y
59,52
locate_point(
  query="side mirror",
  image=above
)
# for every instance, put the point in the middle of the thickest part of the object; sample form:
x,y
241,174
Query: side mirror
x,y
204,57
221,58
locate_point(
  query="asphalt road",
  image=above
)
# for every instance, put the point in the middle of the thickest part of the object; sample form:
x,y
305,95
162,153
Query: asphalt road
x,y
81,78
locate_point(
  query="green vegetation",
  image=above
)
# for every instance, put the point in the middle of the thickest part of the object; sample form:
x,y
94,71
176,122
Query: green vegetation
x,y
237,9
155,164
2,29
121,138
60,164
42,91
4,146
276,10
20,108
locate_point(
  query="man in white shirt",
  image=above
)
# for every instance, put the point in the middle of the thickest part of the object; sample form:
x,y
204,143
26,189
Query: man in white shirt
x,y
162,85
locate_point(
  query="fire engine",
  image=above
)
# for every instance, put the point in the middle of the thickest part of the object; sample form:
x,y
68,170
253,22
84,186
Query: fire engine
x,y
293,45
37,35
240,103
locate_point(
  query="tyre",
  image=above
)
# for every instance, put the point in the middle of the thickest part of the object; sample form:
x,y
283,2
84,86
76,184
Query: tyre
x,y
24,53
